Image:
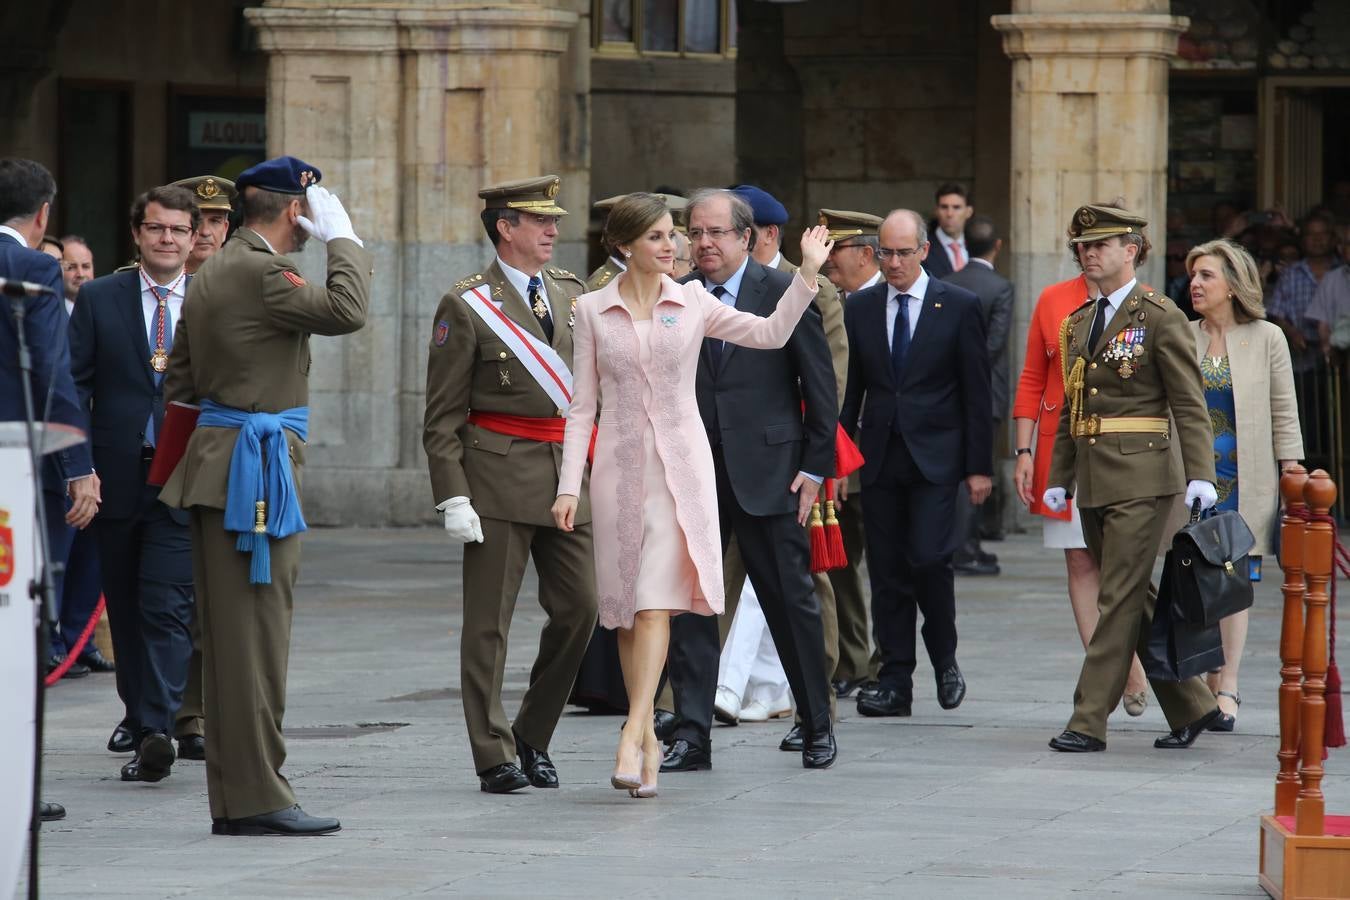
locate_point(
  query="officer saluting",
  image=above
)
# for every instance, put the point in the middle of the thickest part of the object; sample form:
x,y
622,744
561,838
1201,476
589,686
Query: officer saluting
x,y
241,351
1129,360
498,382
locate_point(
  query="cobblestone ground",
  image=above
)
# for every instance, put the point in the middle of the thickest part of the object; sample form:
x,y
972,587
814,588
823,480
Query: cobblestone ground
x,y
968,803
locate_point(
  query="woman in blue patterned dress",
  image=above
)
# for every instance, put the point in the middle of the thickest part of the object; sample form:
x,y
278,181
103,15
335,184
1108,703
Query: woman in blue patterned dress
x,y
1249,387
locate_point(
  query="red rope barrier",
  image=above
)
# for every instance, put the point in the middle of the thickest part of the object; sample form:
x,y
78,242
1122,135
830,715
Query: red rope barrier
x,y
55,674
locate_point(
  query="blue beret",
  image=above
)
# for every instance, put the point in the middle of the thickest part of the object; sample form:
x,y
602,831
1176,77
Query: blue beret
x,y
768,211
284,175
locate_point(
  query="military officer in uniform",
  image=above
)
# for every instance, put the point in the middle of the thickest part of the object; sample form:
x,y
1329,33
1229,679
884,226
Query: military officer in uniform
x,y
1129,361
852,267
215,198
612,265
498,383
241,351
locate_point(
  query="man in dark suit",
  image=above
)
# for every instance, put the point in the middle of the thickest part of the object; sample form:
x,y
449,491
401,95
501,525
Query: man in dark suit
x,y
996,306
951,211
918,380
121,334
770,457
26,194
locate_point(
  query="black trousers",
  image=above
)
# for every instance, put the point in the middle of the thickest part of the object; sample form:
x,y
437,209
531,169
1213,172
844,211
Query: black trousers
x,y
910,525
777,556
147,583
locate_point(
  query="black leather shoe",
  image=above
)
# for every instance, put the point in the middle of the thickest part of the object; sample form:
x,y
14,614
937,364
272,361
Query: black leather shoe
x,y
869,686
1184,736
502,779
153,760
884,701
76,670
96,661
293,821
192,746
664,722
537,766
123,738
794,741
843,687
976,567
1074,742
51,812
951,687
820,751
685,757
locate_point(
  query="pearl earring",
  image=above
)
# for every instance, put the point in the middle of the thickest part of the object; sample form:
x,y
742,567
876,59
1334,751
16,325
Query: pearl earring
x,y
628,254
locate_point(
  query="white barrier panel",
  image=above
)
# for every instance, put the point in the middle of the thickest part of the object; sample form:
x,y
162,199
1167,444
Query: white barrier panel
x,y
18,665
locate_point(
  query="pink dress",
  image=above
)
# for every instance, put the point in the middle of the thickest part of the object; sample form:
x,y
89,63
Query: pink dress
x,y
652,489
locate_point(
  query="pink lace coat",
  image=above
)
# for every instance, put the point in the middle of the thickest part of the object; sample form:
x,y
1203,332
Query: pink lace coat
x,y
609,376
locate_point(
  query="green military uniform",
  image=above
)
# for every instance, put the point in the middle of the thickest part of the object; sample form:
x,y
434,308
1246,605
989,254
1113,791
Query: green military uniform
x,y
243,342
512,482
856,658
216,194
611,267
1113,455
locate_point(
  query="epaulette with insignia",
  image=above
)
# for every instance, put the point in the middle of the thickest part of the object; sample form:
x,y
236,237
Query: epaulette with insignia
x,y
465,283
128,267
563,273
1158,299
604,279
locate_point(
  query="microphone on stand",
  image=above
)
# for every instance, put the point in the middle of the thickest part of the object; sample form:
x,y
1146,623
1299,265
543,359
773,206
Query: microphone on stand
x,y
12,288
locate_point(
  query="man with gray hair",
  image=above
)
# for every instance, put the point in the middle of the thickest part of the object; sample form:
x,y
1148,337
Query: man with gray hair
x,y
918,381
770,417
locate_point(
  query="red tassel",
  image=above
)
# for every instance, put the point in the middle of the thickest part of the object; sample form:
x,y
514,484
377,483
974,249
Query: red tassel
x,y
1335,721
820,551
834,538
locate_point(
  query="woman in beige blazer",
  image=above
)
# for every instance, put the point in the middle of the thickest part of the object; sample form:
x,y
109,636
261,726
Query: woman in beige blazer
x,y
1249,387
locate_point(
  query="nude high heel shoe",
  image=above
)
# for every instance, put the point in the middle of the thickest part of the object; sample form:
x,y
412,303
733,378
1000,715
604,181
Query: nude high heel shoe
x,y
625,781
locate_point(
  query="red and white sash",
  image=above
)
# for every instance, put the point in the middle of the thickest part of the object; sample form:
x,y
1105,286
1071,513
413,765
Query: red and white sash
x,y
543,363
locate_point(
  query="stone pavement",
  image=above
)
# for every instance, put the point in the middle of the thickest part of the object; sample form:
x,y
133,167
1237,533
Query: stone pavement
x,y
961,804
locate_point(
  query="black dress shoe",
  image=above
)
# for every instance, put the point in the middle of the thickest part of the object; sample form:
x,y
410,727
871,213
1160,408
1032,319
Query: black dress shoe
x,y
664,722
51,812
951,687
794,741
192,746
96,661
153,760
536,764
76,670
820,751
1074,742
884,701
123,738
685,757
976,567
869,686
1184,736
502,779
293,821
843,687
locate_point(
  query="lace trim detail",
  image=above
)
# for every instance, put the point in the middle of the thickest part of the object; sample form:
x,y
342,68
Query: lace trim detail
x,y
621,357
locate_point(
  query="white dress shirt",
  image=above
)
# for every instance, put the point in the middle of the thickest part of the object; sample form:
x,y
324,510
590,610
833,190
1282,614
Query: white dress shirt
x,y
23,242
266,243
875,279
773,263
917,291
150,303
945,241
521,282
1113,300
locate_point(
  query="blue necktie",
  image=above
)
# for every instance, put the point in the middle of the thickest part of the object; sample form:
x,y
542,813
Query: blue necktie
x,y
539,307
900,339
715,347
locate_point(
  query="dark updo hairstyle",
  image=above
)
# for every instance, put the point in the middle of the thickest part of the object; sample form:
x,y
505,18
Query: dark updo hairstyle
x,y
630,219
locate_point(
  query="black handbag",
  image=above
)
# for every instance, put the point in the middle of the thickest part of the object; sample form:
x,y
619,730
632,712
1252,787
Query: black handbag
x,y
1175,650
1207,568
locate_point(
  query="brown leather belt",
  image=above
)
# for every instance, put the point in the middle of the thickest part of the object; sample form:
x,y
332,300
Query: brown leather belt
x,y
1095,425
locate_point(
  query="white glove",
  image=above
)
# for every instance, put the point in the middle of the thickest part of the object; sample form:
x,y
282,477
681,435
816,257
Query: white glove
x,y
1056,499
328,219
461,522
1202,491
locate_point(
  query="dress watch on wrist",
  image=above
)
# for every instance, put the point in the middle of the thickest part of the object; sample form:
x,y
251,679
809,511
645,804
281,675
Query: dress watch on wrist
x,y
1021,450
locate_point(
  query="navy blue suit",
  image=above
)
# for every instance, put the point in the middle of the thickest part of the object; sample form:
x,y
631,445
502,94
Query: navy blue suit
x,y
45,333
920,438
144,547
751,402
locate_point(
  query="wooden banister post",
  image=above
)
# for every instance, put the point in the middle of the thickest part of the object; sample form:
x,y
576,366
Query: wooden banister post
x,y
1291,638
1320,494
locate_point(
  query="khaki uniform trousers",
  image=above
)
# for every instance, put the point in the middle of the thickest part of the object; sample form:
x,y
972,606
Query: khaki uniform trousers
x,y
856,658
246,642
190,715
1123,539
493,571
733,578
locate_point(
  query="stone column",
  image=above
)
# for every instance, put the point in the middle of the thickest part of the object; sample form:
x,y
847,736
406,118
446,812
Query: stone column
x,y
408,110
1089,120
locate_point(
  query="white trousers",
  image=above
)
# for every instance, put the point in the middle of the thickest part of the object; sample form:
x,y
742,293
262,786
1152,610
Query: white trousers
x,y
749,665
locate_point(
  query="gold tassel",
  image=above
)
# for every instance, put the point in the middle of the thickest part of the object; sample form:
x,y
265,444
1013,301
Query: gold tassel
x,y
260,517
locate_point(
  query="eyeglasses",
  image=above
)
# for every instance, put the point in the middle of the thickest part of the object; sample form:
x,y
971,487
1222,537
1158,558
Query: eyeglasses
x,y
885,253
155,229
696,234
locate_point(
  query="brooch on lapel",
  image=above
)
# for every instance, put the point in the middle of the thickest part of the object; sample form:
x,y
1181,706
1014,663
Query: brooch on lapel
x,y
669,320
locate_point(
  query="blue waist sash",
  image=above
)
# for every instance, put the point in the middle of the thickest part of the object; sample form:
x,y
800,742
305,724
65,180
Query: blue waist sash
x,y
260,500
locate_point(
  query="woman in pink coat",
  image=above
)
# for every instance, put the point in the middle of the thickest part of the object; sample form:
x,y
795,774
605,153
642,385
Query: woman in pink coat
x,y
636,346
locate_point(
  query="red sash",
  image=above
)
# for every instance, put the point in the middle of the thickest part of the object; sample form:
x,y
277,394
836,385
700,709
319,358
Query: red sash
x,y
548,430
